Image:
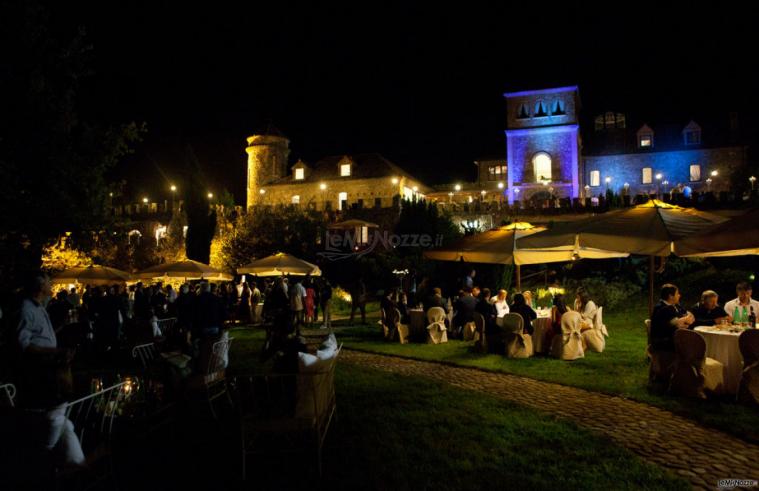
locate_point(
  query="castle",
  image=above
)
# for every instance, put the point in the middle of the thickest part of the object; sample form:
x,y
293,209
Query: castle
x,y
546,152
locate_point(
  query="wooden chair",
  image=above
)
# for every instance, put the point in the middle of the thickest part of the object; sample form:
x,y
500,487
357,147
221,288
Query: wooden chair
x,y
210,383
437,333
694,372
283,408
748,390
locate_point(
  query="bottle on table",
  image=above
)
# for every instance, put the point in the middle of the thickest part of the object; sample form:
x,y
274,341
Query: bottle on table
x,y
737,315
752,318
744,316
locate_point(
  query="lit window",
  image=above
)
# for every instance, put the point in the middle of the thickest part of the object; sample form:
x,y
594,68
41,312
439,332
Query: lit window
x,y
296,199
620,120
342,198
523,112
299,174
540,109
496,172
558,108
595,178
541,162
345,170
695,172
647,175
646,141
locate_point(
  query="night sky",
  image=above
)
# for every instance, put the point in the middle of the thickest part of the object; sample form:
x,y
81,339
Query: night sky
x,y
421,85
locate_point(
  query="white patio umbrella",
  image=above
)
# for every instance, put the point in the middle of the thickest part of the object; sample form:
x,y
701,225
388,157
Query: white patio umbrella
x,y
92,275
186,270
279,264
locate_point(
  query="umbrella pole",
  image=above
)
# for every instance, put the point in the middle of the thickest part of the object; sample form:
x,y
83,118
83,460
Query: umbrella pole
x,y
651,266
519,278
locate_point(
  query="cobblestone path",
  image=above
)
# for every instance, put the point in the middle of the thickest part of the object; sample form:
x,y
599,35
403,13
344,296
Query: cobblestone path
x,y
698,454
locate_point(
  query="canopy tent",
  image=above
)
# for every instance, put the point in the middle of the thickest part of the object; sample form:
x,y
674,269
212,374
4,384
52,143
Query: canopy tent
x,y
651,229
738,236
352,224
186,270
499,246
278,264
92,275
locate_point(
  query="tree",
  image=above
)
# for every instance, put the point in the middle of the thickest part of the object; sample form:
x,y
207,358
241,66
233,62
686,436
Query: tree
x,y
52,162
201,218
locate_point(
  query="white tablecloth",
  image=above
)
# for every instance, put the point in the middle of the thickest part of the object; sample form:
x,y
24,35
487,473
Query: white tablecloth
x,y
723,347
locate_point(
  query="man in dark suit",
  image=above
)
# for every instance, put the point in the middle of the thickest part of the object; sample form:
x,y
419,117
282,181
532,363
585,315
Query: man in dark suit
x,y
667,317
708,311
435,300
464,308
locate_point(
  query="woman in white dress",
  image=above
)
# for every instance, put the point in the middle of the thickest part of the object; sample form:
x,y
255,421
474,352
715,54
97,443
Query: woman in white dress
x,y
586,307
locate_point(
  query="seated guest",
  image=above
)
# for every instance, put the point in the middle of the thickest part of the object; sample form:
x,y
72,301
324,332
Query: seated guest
x,y
500,304
464,308
487,310
744,300
559,308
435,300
528,315
403,307
527,297
667,317
586,307
708,312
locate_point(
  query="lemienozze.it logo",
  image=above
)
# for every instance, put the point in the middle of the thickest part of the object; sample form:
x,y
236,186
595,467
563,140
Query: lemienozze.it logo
x,y
347,245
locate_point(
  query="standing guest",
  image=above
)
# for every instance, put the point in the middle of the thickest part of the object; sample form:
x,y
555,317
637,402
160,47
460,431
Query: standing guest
x,y
388,304
435,300
171,294
500,303
468,282
528,315
73,297
559,308
403,307
297,296
586,307
255,299
57,309
325,300
209,316
358,300
141,302
243,308
310,301
708,312
743,301
667,317
185,307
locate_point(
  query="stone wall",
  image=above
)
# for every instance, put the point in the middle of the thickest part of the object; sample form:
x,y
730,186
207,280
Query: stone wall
x,y
674,167
267,161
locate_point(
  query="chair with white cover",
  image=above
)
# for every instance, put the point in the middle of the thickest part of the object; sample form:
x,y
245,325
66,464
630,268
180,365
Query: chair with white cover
x,y
287,406
694,372
568,346
437,333
595,338
209,382
480,341
517,343
748,390
399,330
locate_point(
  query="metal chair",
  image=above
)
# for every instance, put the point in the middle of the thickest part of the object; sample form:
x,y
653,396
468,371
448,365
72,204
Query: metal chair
x,y
211,381
146,353
285,406
7,395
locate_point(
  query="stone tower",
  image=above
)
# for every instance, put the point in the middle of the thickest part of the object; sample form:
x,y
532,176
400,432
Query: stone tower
x,y
267,161
543,142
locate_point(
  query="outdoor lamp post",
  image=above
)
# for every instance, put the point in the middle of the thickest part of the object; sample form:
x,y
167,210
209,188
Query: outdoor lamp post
x,y
393,180
210,195
709,184
714,173
658,185
607,181
752,180
450,197
457,187
145,200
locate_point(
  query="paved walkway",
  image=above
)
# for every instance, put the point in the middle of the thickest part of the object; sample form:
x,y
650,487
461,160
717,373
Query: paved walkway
x,y
699,455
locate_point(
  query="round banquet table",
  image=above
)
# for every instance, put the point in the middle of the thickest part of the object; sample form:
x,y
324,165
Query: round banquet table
x,y
722,345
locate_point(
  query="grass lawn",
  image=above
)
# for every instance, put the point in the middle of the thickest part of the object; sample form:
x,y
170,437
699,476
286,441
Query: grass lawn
x,y
620,370
396,432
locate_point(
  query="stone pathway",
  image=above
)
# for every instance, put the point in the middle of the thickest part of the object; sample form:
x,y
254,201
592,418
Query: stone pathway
x,y
699,455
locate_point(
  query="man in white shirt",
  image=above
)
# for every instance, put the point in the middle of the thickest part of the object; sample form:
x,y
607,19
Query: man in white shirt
x,y
743,289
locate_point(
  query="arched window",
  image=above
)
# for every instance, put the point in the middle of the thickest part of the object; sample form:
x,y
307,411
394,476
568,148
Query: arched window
x,y
524,113
558,108
541,163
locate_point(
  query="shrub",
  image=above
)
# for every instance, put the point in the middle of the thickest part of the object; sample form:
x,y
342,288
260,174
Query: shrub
x,y
607,293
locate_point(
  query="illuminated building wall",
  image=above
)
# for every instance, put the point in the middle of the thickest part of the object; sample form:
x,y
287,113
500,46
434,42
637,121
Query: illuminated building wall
x,y
267,162
542,138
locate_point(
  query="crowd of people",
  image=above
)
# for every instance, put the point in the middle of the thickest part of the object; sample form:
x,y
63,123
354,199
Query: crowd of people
x,y
469,298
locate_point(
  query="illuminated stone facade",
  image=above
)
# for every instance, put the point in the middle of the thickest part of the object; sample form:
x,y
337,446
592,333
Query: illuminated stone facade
x,y
267,161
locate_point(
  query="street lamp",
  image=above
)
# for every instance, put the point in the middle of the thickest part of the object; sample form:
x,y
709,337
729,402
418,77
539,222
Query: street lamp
x,y
173,188
709,184
500,185
752,180
322,186
210,195
607,181
393,180
587,191
715,173
262,191
145,200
